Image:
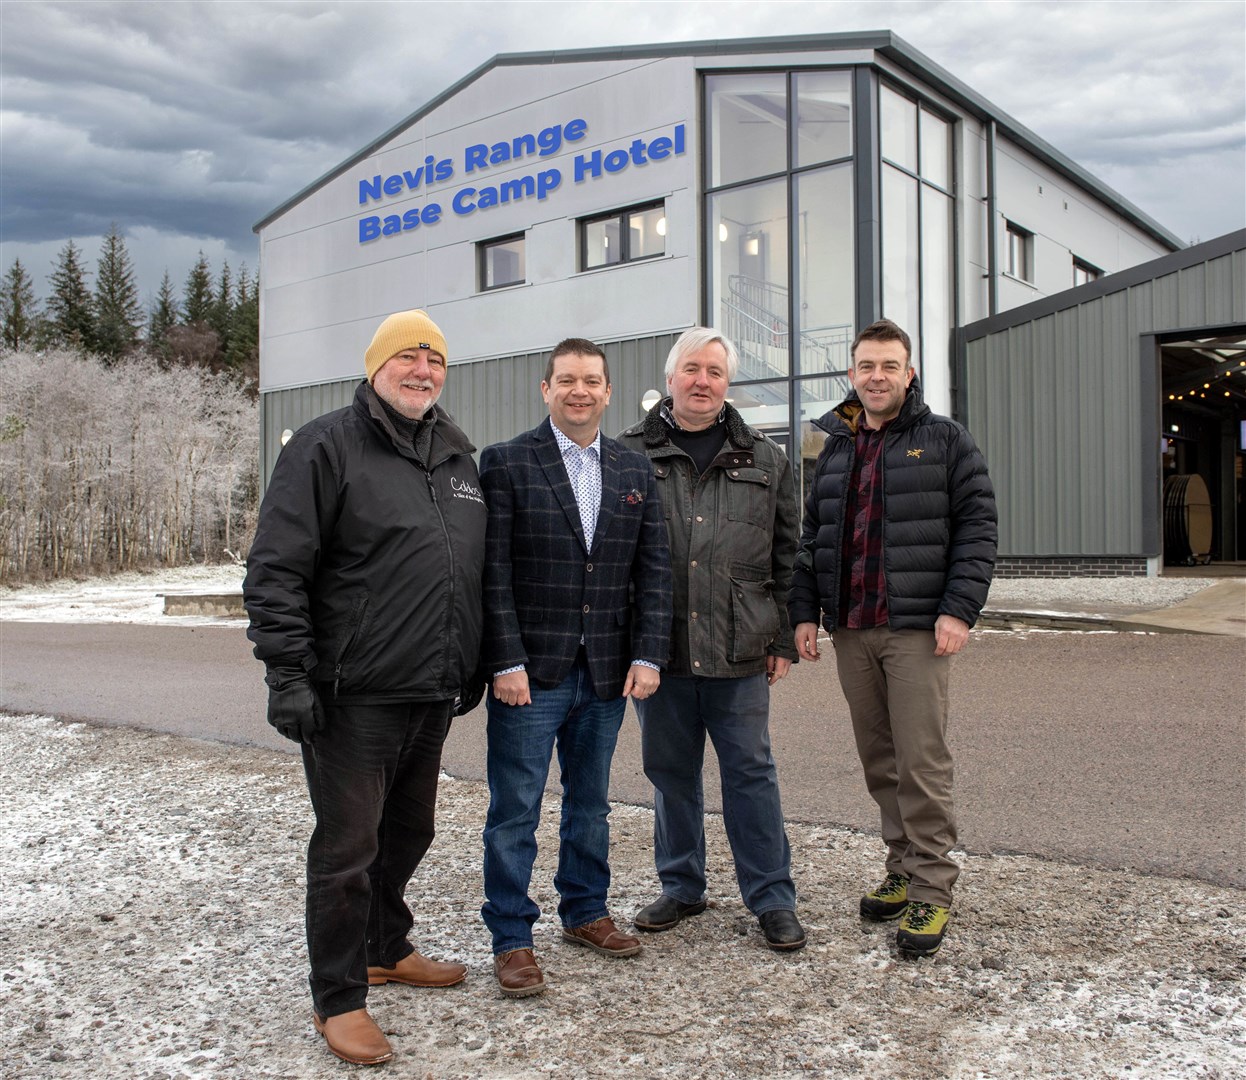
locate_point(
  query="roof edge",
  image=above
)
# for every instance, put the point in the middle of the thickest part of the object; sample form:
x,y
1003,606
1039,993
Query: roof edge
x,y
884,42
857,39
1215,248
917,63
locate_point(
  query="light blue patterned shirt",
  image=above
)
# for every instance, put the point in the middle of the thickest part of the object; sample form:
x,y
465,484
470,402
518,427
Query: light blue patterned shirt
x,y
584,471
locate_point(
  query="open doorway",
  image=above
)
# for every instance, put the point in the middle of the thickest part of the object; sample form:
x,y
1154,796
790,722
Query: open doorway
x,y
1203,446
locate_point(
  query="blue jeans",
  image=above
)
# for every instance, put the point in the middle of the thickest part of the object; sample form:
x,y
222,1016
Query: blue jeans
x,y
521,737
372,776
736,714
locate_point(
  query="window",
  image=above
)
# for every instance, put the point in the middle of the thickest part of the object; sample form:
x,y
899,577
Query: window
x,y
501,262
623,236
780,221
1083,272
1020,253
746,136
917,227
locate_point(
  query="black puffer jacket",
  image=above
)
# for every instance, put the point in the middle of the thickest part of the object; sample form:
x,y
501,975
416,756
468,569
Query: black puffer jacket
x,y
366,568
939,524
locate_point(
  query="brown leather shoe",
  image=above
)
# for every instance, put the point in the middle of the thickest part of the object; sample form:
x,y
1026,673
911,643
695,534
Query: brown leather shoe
x,y
604,937
518,973
354,1037
417,970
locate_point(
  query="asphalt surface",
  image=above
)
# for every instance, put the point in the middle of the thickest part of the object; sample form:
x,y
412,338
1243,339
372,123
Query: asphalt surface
x,y
1111,749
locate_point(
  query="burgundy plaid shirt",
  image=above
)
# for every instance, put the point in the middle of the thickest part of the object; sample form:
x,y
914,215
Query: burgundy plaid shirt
x,y
862,584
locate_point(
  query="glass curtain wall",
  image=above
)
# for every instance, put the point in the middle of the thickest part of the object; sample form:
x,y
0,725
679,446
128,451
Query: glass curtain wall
x,y
917,250
780,238
781,244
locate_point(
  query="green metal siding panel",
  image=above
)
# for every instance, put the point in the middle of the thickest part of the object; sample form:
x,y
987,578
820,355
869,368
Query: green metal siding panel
x,y
1226,289
1057,407
496,399
1192,300
1056,400
292,408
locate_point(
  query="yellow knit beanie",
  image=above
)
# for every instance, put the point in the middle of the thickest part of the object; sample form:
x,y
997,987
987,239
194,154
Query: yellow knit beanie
x,y
403,330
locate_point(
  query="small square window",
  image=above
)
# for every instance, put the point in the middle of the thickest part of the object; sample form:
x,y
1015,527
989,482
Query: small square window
x,y
1020,253
1083,272
501,262
623,236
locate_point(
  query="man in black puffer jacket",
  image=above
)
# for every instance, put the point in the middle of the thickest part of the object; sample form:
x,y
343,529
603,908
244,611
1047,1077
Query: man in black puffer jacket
x,y
364,591
896,556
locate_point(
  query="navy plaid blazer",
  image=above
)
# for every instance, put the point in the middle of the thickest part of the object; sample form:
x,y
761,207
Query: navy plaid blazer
x,y
544,588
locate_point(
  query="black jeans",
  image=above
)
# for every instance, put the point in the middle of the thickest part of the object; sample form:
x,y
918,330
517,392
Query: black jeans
x,y
372,775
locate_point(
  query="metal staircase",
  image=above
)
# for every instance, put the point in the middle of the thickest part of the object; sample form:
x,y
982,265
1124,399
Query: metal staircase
x,y
754,316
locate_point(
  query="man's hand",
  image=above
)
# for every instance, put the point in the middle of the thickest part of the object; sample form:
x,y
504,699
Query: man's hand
x,y
807,640
641,681
951,634
776,668
512,689
294,706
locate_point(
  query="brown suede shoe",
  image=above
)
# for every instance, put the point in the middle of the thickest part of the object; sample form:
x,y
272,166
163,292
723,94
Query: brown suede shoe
x,y
518,973
354,1037
604,937
417,970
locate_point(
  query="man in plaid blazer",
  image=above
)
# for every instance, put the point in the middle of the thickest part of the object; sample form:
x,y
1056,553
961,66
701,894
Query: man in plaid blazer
x,y
577,599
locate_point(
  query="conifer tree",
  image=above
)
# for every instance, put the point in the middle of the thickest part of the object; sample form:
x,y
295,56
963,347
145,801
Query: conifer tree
x,y
242,354
71,318
222,310
197,299
118,313
164,316
17,307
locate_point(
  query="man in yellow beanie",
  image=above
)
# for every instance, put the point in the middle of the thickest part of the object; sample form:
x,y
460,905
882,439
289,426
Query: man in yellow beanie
x,y
364,591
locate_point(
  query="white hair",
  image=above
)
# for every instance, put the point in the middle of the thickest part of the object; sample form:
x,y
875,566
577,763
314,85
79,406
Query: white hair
x,y
693,341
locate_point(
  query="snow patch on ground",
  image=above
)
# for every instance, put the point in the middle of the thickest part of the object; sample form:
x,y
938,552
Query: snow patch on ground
x,y
151,927
131,597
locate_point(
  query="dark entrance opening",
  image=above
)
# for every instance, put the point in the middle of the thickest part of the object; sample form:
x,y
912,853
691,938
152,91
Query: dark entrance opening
x,y
1203,445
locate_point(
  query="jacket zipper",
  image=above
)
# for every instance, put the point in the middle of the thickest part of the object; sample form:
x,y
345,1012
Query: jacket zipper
x,y
341,657
432,490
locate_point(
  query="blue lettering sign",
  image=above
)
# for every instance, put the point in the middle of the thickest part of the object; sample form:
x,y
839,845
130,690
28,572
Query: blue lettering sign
x,y
592,166
372,227
544,144
467,200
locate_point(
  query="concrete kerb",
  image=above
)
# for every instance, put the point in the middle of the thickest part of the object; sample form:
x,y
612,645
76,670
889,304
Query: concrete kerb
x,y
1220,609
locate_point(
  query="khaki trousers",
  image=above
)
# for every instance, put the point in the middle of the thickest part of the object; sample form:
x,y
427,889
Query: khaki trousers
x,y
897,696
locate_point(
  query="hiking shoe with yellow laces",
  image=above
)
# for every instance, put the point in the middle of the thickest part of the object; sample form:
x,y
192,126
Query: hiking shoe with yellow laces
x,y
922,928
888,901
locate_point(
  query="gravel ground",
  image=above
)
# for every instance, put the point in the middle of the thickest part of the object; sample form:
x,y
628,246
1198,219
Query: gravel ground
x,y
1143,592
151,927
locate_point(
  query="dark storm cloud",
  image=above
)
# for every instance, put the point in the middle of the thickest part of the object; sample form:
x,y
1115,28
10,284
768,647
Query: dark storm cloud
x,y
192,120
187,118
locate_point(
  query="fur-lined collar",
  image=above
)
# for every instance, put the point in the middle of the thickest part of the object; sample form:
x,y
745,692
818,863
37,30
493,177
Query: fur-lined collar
x,y
656,432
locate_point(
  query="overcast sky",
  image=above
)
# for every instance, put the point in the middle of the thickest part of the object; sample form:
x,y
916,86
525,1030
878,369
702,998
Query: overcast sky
x,y
185,123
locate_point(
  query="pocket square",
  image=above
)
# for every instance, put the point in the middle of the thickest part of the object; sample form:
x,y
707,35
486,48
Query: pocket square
x,y
633,497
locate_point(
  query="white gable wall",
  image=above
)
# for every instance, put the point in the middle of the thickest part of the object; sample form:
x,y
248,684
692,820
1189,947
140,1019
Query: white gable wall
x,y
324,292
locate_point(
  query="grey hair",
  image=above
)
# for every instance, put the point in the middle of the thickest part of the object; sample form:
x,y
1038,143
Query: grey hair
x,y
694,340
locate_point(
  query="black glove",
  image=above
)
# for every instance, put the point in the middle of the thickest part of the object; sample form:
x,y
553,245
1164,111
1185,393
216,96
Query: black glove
x,y
293,705
471,693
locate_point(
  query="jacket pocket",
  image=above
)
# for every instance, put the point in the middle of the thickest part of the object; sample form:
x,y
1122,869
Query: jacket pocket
x,y
359,611
754,618
748,496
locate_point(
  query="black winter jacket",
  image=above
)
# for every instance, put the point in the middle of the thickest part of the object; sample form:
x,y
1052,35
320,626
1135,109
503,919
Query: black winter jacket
x,y
366,568
939,523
